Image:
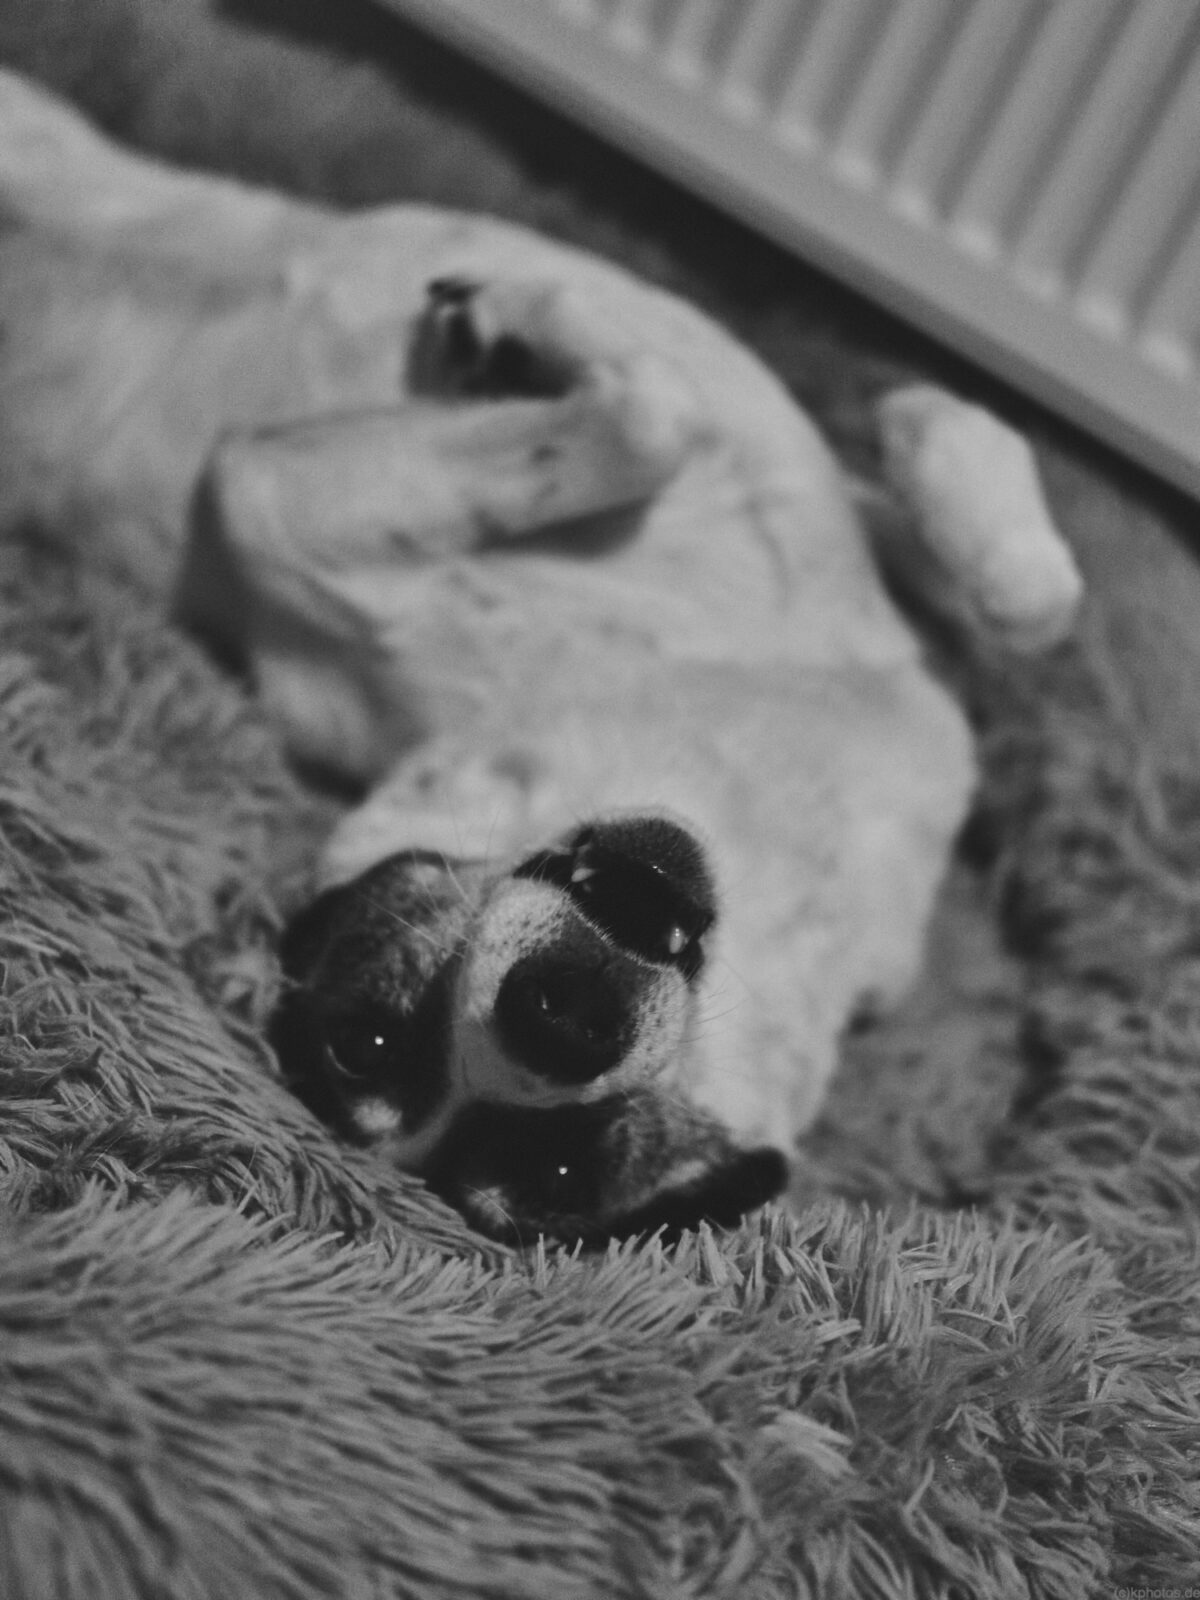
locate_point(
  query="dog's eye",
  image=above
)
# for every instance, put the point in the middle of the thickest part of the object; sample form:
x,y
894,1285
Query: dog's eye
x,y
559,1185
358,1047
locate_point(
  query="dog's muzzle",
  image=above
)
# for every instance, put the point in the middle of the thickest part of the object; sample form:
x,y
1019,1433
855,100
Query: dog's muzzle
x,y
642,881
635,902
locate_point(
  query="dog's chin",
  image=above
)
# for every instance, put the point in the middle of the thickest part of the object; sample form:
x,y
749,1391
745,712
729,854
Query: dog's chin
x,y
514,1036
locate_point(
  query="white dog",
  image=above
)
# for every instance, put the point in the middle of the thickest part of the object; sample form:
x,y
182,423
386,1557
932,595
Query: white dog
x,y
662,790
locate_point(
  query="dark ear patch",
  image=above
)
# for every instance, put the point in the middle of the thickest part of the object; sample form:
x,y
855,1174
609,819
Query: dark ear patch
x,y
406,909
309,930
721,1196
294,1029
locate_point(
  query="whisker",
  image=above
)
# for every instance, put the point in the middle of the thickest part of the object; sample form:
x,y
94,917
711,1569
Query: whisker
x,y
490,1205
705,1014
488,850
459,886
403,922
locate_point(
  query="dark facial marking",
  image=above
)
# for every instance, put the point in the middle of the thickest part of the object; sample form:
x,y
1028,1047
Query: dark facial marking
x,y
626,1166
365,1011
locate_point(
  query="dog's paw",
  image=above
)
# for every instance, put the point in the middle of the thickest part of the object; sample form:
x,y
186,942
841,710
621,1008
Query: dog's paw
x,y
972,485
522,339
471,347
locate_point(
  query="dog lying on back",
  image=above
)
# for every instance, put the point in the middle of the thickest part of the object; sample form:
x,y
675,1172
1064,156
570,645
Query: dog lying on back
x,y
659,788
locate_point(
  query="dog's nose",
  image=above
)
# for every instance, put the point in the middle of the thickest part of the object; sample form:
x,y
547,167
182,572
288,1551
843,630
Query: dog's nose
x,y
642,880
566,1018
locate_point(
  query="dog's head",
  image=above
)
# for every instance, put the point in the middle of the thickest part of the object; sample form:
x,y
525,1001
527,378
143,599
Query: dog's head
x,y
515,1036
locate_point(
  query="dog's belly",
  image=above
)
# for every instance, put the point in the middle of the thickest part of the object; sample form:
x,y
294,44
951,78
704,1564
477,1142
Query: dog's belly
x,y
524,632
514,635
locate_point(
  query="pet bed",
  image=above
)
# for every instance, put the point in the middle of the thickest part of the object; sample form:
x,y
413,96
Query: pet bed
x,y
236,1361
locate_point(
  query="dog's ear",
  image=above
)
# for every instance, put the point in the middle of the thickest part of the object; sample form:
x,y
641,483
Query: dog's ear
x,y
309,931
691,1170
397,920
633,1164
723,1193
295,1029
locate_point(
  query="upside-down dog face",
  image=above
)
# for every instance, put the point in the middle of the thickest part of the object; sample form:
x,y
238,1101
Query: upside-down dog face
x,y
514,1036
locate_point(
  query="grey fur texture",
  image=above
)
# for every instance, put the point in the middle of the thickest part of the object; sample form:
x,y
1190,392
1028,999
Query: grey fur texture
x,y
237,1360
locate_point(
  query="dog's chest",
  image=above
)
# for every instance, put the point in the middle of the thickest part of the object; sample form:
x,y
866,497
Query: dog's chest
x,y
547,621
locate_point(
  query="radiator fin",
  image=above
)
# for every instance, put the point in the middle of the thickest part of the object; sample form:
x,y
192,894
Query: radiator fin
x,y
1021,177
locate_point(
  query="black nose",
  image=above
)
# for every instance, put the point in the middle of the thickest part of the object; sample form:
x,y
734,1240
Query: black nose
x,y
566,1018
643,881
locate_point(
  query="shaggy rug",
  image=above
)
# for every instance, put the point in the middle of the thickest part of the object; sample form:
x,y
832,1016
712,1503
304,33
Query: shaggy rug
x,y
238,1362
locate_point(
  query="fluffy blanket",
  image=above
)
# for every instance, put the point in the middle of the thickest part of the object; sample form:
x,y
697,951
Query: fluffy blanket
x,y
236,1361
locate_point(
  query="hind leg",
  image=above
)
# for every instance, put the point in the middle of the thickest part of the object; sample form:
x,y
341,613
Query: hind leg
x,y
980,543
301,530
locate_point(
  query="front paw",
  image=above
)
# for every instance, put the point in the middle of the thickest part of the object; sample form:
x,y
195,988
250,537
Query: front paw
x,y
980,514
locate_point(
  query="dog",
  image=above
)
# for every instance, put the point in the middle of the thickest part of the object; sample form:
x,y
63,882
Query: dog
x,y
658,786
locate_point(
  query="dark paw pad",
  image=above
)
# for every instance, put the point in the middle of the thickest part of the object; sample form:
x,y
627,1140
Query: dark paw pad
x,y
455,354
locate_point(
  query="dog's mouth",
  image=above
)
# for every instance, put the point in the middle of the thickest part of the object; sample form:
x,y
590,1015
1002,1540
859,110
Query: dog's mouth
x,y
515,1036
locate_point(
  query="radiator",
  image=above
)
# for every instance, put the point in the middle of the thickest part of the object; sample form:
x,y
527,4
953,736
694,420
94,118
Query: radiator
x,y
1020,178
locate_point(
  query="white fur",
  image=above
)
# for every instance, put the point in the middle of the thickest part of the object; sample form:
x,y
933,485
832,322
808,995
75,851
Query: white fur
x,y
730,657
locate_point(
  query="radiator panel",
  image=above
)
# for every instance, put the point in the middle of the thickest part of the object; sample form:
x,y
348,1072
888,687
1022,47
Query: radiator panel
x,y
1022,180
